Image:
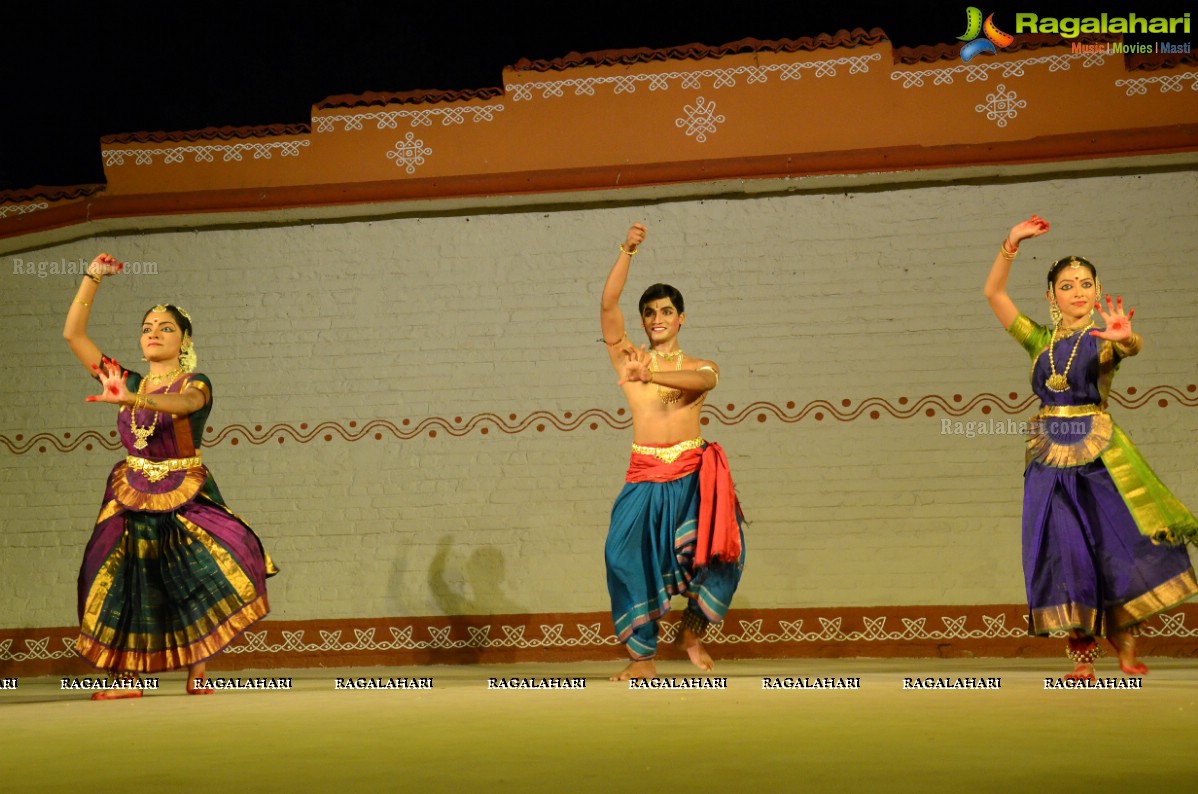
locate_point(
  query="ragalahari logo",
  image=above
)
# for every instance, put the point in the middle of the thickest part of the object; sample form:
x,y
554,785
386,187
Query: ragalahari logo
x,y
974,27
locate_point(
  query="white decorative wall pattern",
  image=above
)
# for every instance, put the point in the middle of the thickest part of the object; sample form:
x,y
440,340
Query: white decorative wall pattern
x,y
205,153
1001,106
22,209
980,72
699,120
693,80
1167,83
389,119
552,636
409,152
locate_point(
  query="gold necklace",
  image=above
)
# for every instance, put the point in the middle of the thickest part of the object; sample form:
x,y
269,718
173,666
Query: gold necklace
x,y
667,396
1059,382
168,376
142,434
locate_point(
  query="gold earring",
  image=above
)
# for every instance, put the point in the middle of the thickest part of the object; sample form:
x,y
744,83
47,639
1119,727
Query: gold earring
x,y
1054,311
187,356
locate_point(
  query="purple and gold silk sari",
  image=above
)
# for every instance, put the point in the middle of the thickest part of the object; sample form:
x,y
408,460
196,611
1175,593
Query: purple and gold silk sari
x,y
1103,539
170,576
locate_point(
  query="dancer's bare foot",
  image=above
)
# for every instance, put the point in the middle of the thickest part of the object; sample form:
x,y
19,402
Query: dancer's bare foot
x,y
115,695
195,677
1124,643
1083,649
124,686
646,668
689,641
1081,672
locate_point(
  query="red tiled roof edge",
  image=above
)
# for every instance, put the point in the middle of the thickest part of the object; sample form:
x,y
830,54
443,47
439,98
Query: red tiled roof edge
x,y
49,192
842,38
378,98
607,58
931,53
208,134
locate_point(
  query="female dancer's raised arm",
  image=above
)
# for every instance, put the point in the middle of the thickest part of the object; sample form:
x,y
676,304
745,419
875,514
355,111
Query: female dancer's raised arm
x,y
996,283
75,329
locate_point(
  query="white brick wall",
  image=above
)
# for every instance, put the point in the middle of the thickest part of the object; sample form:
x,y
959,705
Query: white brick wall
x,y
799,298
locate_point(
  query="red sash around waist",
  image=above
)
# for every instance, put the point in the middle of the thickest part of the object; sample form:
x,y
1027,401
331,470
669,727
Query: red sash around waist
x,y
718,531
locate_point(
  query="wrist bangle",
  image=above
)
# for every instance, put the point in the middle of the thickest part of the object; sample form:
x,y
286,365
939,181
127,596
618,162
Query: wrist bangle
x,y
93,277
1131,345
1008,251
624,250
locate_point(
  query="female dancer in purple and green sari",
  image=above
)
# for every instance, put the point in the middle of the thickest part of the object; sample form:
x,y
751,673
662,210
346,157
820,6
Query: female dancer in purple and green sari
x,y
170,576
1103,539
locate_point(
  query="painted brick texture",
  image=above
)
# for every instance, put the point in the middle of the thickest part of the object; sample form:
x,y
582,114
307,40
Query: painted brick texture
x,y
489,321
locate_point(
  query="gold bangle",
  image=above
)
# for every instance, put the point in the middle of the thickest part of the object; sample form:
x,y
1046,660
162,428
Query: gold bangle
x,y
1008,252
93,277
81,303
624,250
623,336
1130,346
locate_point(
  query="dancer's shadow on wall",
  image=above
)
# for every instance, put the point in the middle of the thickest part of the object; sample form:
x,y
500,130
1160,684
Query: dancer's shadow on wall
x,y
469,594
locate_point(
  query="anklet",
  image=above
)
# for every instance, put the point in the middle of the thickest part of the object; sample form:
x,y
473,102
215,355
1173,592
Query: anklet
x,y
1083,650
694,623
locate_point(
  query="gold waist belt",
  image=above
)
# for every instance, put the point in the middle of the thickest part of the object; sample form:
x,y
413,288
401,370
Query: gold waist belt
x,y
1072,410
155,470
668,454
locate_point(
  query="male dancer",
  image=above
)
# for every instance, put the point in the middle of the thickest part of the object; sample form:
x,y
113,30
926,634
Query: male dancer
x,y
675,528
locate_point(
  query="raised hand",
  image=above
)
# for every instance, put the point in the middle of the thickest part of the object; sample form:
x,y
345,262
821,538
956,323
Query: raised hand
x,y
1032,227
636,236
1118,324
112,383
105,265
635,367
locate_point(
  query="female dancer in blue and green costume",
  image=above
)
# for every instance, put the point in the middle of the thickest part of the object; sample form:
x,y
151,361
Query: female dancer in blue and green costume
x,y
171,576
1103,539
676,526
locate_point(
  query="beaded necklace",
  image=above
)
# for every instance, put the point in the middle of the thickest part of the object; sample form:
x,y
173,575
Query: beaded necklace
x,y
1059,382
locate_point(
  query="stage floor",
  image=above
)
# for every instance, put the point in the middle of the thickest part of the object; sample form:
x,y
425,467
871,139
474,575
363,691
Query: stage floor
x,y
463,736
